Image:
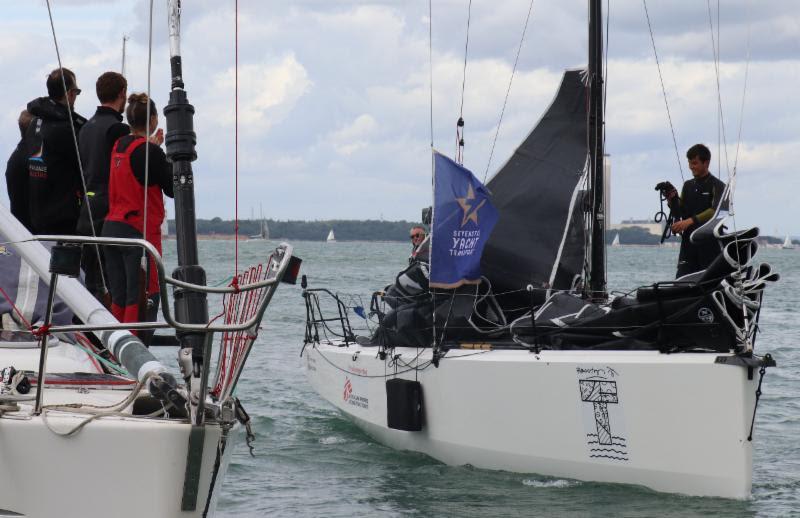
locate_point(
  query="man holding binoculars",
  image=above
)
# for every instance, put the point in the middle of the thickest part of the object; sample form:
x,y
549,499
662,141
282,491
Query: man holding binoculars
x,y
696,204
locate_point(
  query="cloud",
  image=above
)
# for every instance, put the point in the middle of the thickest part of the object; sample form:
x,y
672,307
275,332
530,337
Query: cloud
x,y
354,136
267,94
334,96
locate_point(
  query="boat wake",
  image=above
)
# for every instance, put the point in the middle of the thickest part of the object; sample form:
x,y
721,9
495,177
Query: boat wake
x,y
550,484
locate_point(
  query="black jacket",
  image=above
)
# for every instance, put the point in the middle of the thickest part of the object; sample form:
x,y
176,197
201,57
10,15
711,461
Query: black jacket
x,y
55,195
96,139
698,201
17,184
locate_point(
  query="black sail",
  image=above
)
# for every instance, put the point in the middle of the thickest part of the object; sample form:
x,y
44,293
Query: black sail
x,y
539,238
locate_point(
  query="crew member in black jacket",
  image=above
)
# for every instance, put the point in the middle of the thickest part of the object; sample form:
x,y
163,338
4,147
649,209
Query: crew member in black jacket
x,y
17,174
54,180
96,139
696,205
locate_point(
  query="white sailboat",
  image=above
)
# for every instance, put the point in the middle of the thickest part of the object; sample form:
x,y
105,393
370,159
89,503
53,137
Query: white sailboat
x,y
615,242
93,436
165,225
579,387
787,243
263,233
331,237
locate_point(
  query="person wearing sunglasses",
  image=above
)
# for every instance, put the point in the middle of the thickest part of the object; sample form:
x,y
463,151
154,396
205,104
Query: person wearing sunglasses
x,y
420,251
54,174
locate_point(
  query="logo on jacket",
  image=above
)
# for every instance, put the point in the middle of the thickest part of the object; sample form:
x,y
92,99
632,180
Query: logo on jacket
x,y
705,315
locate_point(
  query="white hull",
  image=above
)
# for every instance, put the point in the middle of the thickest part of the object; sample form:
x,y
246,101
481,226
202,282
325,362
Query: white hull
x,y
121,466
680,422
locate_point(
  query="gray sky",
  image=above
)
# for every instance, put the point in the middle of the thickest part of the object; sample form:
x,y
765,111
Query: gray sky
x,y
334,113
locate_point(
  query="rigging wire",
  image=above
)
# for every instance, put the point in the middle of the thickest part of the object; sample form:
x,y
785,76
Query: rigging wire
x,y
430,67
605,64
460,122
741,111
145,262
719,111
77,149
433,155
714,49
663,90
508,91
724,146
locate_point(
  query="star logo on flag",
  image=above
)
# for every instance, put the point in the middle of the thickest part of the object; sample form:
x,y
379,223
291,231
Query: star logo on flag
x,y
470,213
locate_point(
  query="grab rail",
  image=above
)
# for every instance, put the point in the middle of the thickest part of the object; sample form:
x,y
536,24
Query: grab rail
x,y
315,319
277,265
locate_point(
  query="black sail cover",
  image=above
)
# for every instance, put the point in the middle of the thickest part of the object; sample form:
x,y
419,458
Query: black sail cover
x,y
539,237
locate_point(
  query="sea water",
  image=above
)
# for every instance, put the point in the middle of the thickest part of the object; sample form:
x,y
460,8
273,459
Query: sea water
x,y
311,461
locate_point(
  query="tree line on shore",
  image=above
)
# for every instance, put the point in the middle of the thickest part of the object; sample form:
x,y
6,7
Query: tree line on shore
x,y
345,230
375,230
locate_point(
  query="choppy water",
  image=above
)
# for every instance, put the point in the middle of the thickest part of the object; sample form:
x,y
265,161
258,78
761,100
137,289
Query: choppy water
x,y
310,461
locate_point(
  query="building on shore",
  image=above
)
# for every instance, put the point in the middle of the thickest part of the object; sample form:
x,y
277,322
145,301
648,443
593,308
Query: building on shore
x,y
652,227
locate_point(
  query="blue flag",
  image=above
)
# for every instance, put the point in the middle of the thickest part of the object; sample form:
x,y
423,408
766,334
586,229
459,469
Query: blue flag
x,y
463,219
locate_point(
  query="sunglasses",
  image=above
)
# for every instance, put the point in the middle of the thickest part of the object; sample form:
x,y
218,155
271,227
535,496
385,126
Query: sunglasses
x,y
76,90
413,236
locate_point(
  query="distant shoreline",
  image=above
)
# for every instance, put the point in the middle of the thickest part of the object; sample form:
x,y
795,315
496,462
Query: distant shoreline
x,y
244,239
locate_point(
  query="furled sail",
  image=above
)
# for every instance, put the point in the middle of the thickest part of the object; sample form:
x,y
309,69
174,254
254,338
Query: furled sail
x,y
539,238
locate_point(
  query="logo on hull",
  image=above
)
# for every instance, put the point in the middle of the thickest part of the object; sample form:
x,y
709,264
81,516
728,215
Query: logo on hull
x,y
603,420
351,393
348,389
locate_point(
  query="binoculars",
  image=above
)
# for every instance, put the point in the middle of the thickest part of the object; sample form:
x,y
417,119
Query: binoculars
x,y
665,187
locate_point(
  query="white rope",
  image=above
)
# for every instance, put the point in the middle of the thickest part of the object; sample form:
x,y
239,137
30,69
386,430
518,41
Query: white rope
x,y
731,174
77,149
99,411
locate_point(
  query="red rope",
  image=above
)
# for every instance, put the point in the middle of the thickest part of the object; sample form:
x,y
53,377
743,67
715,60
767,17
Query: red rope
x,y
238,307
41,331
17,311
236,137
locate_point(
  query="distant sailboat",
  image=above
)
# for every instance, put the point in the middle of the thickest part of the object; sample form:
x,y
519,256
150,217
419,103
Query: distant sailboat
x,y
331,237
165,226
787,243
616,240
263,233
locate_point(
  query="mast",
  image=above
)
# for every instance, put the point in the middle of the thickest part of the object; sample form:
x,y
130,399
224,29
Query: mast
x,y
597,257
190,306
125,39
